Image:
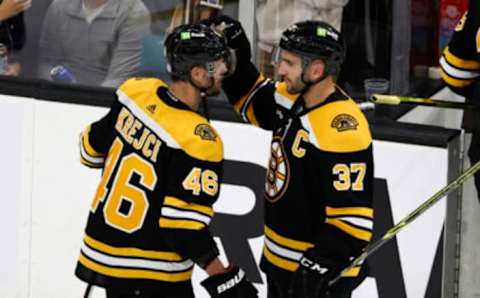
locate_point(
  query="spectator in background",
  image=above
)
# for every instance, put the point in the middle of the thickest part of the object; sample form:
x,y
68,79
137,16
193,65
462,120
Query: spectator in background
x,y
273,16
161,13
153,63
460,65
201,10
98,41
12,34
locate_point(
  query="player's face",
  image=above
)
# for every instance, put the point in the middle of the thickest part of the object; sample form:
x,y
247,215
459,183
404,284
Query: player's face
x,y
216,76
290,71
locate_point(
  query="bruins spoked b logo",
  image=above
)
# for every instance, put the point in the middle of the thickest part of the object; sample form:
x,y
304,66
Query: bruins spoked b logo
x,y
344,122
278,172
205,132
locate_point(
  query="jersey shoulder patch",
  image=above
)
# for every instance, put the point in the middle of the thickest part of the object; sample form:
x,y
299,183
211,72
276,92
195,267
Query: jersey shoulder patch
x,y
191,131
195,136
339,126
205,132
344,122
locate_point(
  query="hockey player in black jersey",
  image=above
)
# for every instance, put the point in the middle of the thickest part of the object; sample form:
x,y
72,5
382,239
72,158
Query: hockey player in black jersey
x,y
460,64
162,170
318,189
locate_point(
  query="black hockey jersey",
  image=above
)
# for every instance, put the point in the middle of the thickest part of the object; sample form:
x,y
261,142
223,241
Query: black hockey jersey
x,y
162,167
318,189
460,62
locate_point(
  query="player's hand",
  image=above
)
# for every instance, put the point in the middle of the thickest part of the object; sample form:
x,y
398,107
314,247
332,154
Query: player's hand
x,y
233,32
13,69
10,8
230,284
312,276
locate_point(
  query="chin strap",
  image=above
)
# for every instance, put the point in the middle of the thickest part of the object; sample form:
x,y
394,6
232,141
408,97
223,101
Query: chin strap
x,y
203,95
202,89
206,113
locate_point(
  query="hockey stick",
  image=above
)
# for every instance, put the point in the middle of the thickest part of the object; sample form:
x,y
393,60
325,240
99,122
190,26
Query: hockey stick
x,y
372,247
396,100
87,291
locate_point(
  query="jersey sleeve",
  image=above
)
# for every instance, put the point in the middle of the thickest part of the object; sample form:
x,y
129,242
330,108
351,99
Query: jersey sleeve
x,y
258,100
96,138
347,190
192,186
460,63
342,163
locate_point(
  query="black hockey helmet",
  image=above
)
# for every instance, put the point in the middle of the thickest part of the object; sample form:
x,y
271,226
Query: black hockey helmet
x,y
315,40
195,45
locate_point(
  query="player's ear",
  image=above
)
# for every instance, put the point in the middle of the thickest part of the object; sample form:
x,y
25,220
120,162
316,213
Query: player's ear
x,y
197,73
317,68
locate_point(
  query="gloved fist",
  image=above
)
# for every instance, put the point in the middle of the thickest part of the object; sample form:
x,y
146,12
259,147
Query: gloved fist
x,y
230,284
312,276
233,32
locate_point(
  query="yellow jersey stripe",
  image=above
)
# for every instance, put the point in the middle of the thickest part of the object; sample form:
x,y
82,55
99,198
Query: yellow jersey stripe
x,y
181,224
352,272
90,164
355,232
86,144
241,102
358,211
135,273
280,262
459,83
281,88
295,244
177,203
460,63
131,251
251,116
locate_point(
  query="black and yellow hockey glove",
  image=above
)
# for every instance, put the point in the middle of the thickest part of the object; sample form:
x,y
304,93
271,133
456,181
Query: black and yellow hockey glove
x,y
231,284
312,276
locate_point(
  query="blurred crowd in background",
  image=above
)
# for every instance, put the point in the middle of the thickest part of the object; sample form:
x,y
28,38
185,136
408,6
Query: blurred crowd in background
x,y
104,42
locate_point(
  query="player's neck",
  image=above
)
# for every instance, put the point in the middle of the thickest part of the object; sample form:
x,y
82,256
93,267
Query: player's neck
x,y
186,93
319,92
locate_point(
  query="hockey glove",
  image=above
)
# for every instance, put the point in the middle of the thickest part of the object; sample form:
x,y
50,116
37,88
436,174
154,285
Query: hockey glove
x,y
312,276
231,284
234,34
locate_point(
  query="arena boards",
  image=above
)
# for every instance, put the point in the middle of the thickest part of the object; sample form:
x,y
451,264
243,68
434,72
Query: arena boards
x,y
48,193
